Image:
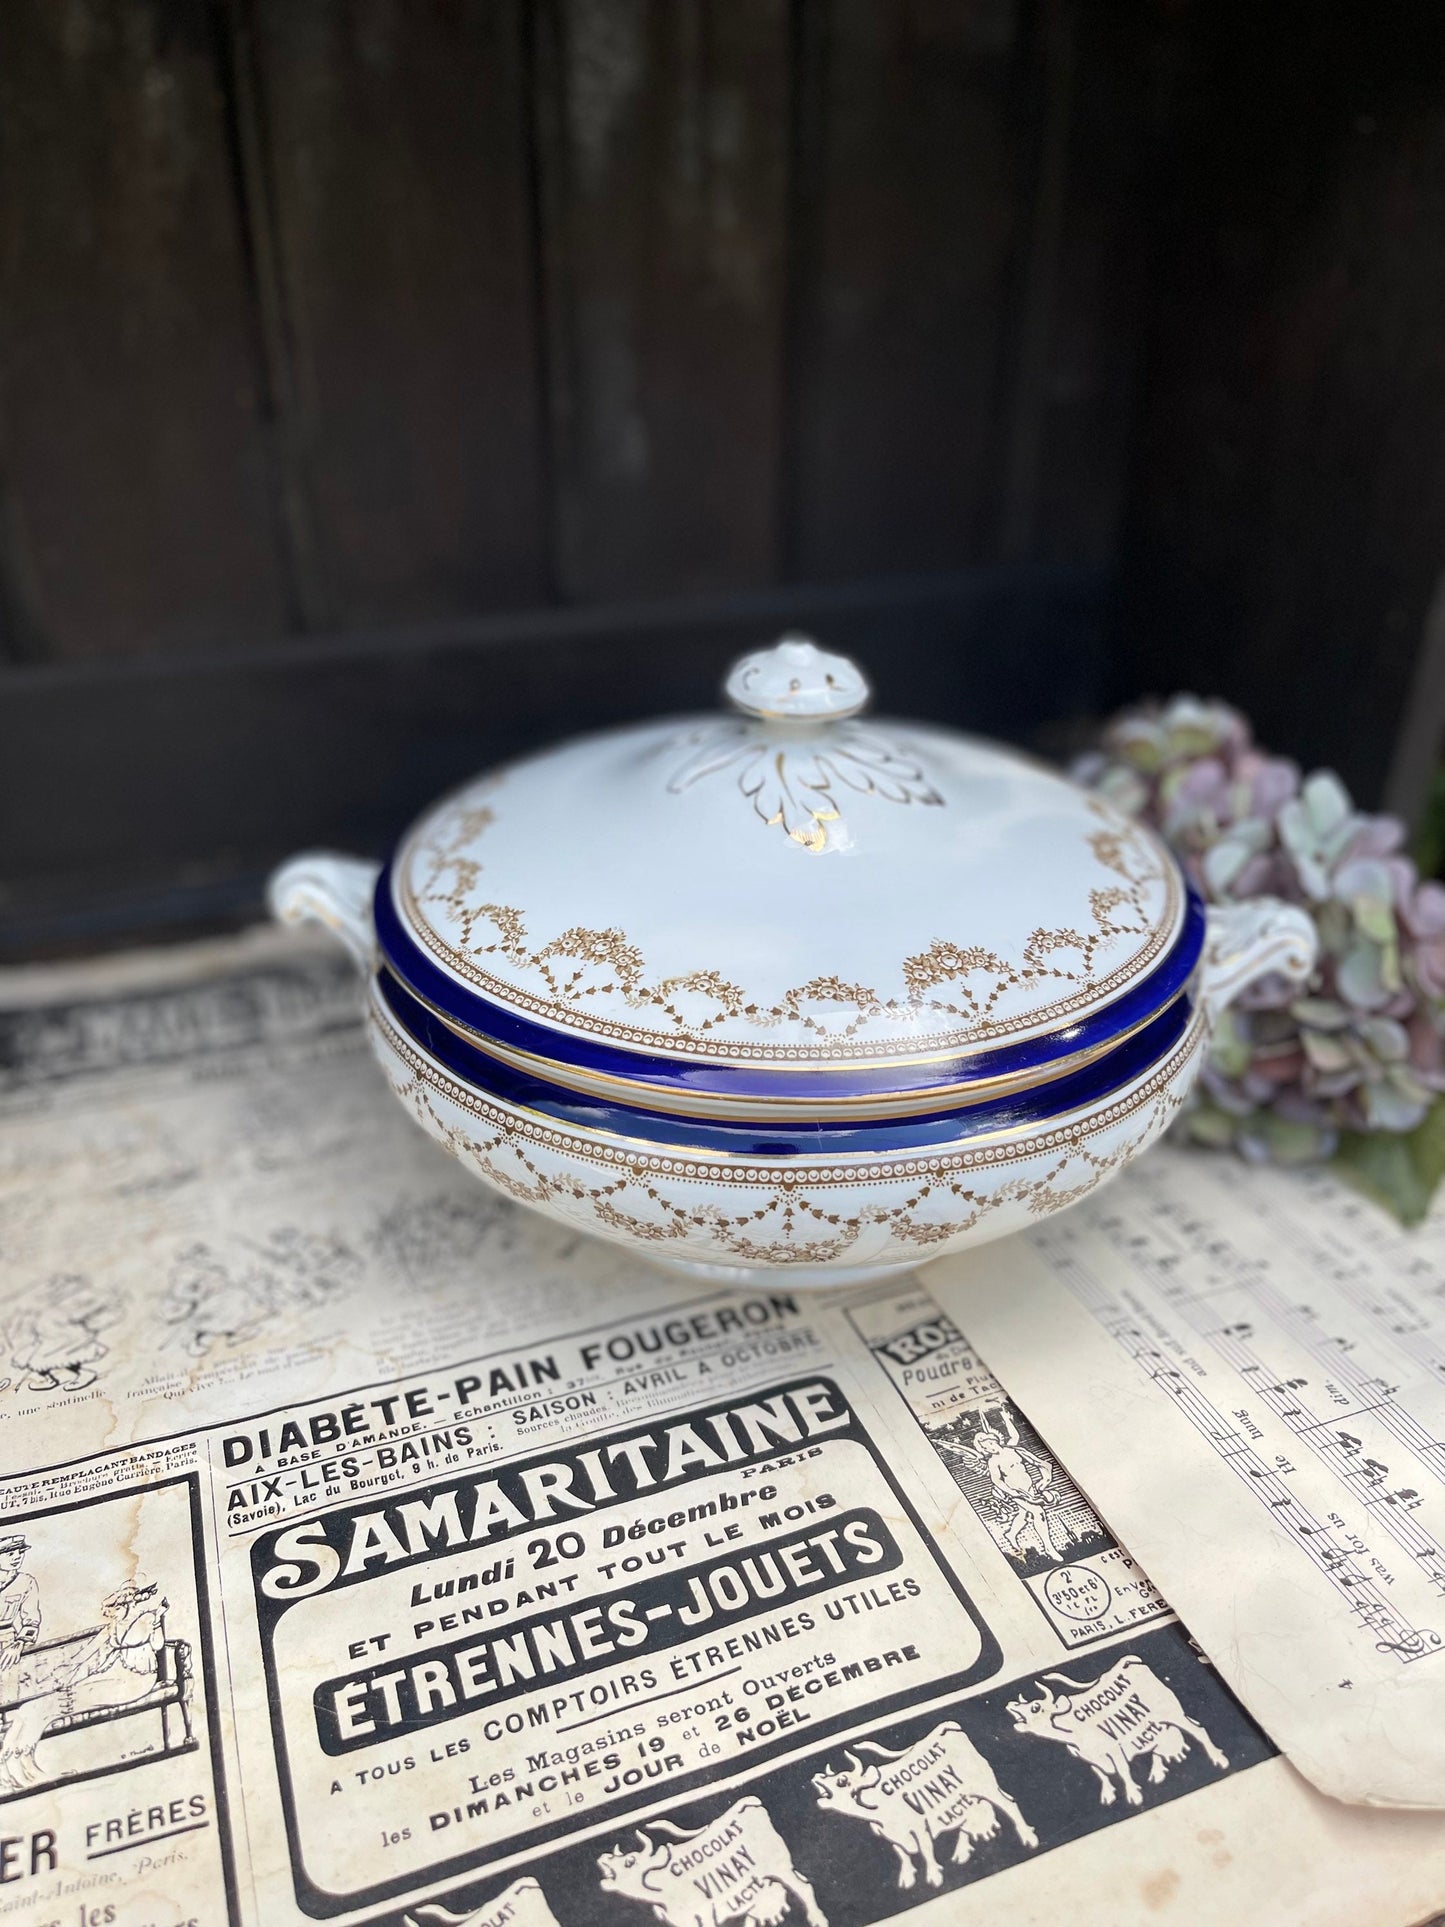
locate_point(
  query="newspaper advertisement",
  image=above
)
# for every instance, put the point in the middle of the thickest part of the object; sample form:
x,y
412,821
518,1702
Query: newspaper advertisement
x,y
371,1550
1280,1345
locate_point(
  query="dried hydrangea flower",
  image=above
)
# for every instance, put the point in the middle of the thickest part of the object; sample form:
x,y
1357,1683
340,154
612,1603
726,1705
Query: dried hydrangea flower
x,y
1364,1049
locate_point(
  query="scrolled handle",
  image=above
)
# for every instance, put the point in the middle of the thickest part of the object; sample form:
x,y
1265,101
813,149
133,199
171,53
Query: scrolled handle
x,y
1246,941
321,887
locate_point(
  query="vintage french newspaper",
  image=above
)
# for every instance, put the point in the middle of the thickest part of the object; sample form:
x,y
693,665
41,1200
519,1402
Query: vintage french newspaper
x,y
372,1551
1246,1369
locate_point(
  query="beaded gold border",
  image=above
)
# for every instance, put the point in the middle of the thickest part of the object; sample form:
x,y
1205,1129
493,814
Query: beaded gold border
x,y
725,1109
1000,1148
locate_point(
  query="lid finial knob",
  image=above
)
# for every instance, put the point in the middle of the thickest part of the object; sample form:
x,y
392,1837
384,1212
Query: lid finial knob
x,y
796,681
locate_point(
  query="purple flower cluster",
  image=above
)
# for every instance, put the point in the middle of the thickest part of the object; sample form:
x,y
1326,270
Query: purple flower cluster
x,y
1364,1049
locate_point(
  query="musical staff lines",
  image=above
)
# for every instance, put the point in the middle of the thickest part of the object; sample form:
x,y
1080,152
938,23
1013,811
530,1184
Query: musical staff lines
x,y
1366,1275
1342,1451
1326,1435
1347,1276
1324,1537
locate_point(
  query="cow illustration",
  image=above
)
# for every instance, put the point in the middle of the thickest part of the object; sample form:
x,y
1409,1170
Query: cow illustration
x,y
913,1797
1126,1714
522,1905
737,1867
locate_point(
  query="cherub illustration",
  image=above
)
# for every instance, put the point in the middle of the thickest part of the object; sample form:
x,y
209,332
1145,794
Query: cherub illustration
x,y
1028,1510
53,1335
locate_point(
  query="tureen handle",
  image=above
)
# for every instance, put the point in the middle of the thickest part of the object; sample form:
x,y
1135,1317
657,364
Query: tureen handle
x,y
1246,941
321,887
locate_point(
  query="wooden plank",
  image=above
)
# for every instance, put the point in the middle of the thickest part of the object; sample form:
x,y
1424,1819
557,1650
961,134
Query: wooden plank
x,y
391,142
1065,443
662,158
1420,740
138,510
340,741
1289,500
916,158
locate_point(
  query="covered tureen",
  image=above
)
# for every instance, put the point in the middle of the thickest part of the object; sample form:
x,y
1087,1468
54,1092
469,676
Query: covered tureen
x,y
786,990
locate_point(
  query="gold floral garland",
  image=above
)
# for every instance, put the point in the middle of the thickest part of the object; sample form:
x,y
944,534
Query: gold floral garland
x,y
791,1201
563,964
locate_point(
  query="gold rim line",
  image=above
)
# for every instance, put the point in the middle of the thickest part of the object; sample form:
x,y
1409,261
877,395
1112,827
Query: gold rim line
x,y
517,1000
540,1121
795,1109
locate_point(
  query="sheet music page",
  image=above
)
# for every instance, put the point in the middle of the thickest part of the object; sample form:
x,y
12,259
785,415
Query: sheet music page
x,y
1245,1369
372,1550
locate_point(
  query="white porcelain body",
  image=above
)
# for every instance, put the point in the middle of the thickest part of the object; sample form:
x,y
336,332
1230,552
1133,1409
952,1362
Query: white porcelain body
x,y
809,1221
789,895
814,1221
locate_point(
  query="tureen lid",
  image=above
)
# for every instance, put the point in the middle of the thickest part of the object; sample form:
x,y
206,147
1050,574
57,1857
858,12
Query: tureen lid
x,y
786,888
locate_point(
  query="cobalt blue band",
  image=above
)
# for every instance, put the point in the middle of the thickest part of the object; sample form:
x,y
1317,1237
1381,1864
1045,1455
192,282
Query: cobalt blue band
x,y
827,1138
411,965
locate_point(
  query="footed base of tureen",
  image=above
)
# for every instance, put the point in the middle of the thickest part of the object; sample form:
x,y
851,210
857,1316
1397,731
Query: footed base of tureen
x,y
797,1277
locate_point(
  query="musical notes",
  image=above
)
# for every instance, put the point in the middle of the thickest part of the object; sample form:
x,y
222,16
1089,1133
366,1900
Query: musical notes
x,y
1253,1379
1198,1278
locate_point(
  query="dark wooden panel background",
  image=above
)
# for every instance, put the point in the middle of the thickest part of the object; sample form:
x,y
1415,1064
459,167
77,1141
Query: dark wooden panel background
x,y
388,385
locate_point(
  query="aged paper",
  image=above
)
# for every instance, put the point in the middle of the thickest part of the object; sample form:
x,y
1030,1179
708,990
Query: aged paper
x,y
373,1551
1246,1369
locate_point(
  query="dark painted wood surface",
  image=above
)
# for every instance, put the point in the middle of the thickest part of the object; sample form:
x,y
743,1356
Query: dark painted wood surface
x,y
231,764
1083,302
916,157
662,172
1288,497
137,486
333,318
387,157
